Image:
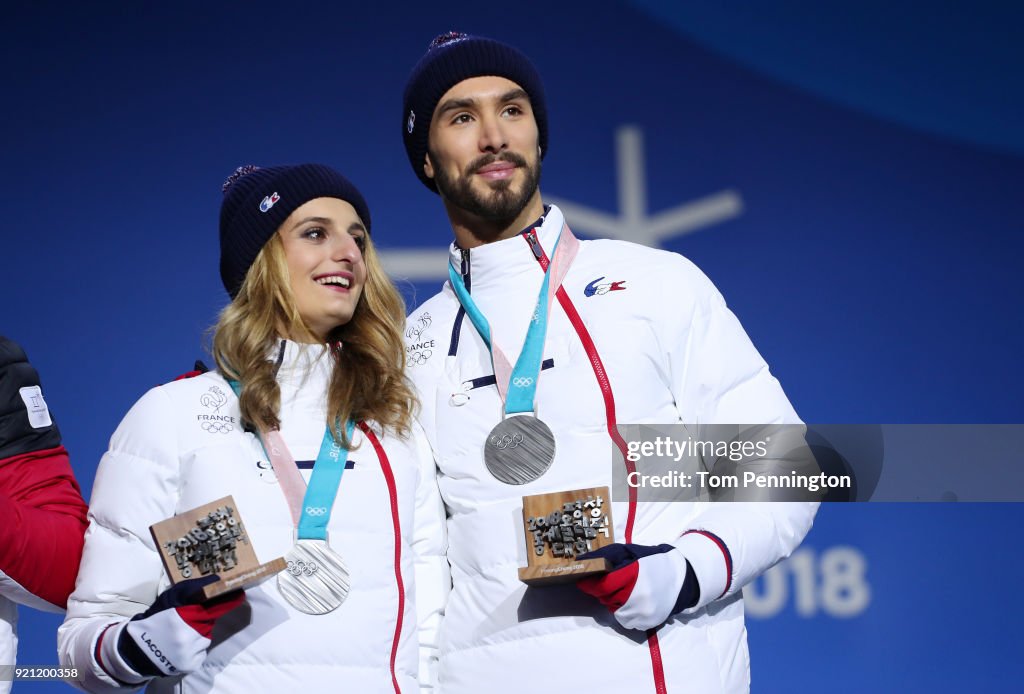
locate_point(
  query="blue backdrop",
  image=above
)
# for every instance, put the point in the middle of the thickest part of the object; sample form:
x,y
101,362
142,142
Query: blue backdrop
x,y
849,177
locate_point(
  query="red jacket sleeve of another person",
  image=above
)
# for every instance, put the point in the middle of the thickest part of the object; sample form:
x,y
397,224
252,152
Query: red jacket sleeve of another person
x,y
42,513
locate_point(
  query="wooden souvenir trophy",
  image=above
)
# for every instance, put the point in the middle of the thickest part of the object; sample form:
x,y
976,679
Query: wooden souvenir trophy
x,y
211,540
561,525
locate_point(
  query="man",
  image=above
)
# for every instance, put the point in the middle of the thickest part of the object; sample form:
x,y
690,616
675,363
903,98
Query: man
x,y
42,514
635,336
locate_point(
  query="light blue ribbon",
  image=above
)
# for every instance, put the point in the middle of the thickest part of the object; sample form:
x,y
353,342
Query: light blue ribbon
x,y
324,481
522,387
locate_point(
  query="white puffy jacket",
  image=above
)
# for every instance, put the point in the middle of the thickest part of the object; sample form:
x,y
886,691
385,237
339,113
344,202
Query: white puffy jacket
x,y
181,446
673,353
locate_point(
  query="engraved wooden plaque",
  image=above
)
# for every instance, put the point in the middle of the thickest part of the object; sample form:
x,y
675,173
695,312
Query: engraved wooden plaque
x,y
211,539
561,525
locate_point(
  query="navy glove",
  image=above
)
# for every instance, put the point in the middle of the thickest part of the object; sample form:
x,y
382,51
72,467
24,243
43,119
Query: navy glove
x,y
170,638
646,585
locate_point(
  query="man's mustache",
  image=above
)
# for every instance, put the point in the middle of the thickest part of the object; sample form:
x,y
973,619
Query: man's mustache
x,y
487,159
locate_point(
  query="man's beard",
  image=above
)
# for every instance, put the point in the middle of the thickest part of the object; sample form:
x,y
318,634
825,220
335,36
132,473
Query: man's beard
x,y
499,204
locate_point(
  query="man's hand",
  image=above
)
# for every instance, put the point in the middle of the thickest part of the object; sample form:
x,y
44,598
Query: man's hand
x,y
171,637
645,586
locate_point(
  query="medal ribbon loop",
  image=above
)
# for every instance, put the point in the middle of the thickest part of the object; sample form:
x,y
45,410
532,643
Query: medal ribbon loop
x,y
310,505
517,386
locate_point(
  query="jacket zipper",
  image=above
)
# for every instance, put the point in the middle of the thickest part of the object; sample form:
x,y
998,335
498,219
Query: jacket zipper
x,y
609,404
389,479
538,252
453,347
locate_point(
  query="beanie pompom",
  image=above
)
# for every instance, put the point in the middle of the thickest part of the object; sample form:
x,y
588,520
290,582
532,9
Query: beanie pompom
x,y
237,174
446,38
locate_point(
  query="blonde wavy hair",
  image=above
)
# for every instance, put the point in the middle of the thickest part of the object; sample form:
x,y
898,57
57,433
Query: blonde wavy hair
x,y
368,380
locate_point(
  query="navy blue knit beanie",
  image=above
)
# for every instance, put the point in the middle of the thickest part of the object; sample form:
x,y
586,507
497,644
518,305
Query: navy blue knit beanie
x,y
258,200
451,58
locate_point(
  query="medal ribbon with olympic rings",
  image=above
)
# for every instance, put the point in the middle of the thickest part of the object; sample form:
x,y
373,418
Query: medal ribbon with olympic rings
x,y
521,396
311,504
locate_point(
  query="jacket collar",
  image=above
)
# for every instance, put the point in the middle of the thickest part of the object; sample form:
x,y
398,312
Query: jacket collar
x,y
300,363
494,263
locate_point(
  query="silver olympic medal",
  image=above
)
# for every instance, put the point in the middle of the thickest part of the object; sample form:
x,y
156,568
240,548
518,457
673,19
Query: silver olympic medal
x,y
519,449
316,580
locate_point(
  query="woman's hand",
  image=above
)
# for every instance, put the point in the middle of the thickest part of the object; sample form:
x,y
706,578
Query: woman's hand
x,y
171,637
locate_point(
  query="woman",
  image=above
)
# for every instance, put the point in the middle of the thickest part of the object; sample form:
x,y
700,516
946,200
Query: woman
x,y
311,345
